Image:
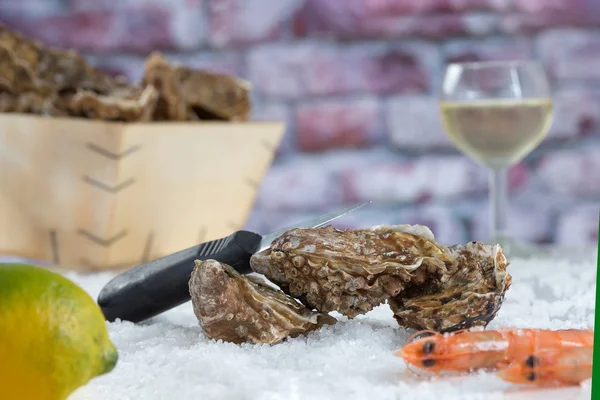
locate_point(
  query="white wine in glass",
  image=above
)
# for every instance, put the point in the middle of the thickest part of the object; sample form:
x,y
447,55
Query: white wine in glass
x,y
496,113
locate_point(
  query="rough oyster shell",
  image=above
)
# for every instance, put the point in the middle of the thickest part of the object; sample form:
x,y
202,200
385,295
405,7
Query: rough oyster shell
x,y
215,96
188,94
29,103
120,105
160,74
54,68
43,80
352,271
236,308
468,296
15,76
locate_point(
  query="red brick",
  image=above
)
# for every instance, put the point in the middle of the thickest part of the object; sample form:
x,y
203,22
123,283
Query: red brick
x,y
528,222
128,25
375,8
578,226
557,6
238,22
519,23
333,124
132,66
129,66
301,183
488,50
443,221
571,172
414,123
101,30
297,69
29,8
571,54
265,221
221,61
357,19
417,181
427,26
518,177
576,113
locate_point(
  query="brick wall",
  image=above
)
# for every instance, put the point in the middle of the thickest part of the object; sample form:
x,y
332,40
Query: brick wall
x,y
356,82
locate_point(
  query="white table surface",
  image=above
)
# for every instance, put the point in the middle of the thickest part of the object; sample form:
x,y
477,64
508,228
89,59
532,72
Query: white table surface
x,y
169,357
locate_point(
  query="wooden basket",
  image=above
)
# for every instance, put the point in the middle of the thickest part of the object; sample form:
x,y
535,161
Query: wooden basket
x,y
94,195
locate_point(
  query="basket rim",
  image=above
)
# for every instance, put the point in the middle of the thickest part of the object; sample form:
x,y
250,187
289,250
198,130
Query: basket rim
x,y
82,120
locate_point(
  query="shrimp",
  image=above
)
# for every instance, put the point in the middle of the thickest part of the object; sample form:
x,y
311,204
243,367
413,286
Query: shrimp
x,y
484,350
567,366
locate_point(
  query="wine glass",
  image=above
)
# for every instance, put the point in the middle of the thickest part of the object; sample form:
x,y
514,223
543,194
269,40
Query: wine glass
x,y
496,113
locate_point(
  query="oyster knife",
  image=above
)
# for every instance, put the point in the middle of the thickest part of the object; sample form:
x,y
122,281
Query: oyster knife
x,y
152,288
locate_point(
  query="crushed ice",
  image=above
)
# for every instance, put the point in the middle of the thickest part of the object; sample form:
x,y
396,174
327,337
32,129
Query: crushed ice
x,y
169,357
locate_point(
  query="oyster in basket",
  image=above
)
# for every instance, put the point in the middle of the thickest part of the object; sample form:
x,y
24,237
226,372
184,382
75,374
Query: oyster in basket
x,y
52,68
238,309
469,296
191,94
39,79
352,271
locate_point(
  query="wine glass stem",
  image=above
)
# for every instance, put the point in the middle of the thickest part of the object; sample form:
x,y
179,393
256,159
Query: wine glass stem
x,y
498,205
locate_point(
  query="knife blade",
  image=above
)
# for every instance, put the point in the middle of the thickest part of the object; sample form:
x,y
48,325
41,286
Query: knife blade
x,y
152,288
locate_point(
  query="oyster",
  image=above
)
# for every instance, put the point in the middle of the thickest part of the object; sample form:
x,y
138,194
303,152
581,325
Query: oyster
x,y
159,73
188,94
40,79
120,105
238,309
428,285
53,68
15,76
352,271
469,295
29,102
215,96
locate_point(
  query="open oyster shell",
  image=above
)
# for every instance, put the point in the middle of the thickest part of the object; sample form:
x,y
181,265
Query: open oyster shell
x,y
470,295
238,309
352,271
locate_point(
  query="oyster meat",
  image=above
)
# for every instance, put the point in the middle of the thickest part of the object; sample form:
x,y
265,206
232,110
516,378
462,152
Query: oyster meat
x,y
352,271
239,309
470,295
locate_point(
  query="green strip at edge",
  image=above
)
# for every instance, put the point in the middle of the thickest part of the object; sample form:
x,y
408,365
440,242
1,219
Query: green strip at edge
x,y
596,360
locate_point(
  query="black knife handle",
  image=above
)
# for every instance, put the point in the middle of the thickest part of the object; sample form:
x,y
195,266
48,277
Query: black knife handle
x,y
157,286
